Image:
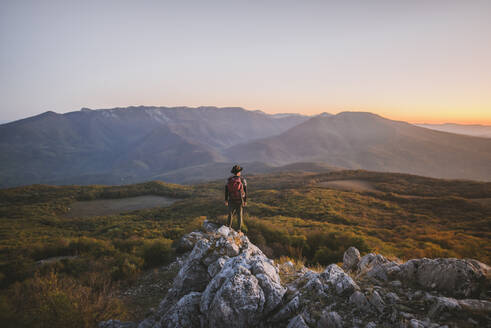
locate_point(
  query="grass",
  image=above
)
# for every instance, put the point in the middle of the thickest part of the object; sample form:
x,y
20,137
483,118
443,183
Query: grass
x,y
289,216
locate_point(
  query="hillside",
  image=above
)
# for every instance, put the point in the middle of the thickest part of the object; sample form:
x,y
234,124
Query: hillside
x,y
124,145
368,141
476,130
98,262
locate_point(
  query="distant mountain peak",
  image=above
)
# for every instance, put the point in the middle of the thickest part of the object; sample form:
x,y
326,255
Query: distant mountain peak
x,y
49,113
133,142
358,114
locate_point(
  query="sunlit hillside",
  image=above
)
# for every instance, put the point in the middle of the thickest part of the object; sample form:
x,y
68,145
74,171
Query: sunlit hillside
x,y
49,253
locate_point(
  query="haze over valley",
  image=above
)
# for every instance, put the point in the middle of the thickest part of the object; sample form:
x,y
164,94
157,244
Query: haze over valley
x,y
476,130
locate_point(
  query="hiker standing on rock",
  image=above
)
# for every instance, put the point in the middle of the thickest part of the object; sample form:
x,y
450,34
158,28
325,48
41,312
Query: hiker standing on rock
x,y
236,195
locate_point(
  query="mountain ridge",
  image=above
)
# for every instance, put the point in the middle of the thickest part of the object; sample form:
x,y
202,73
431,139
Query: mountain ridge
x,y
138,143
361,140
55,147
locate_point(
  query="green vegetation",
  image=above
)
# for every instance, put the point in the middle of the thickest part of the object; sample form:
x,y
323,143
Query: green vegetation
x,y
49,261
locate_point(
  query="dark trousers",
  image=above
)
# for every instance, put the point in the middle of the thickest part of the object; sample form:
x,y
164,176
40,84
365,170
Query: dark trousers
x,y
235,209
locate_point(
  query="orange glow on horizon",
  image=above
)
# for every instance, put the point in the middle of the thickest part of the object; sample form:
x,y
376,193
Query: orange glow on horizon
x,y
417,116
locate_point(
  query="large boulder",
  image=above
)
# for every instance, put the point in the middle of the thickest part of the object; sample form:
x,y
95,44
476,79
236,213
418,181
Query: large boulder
x,y
376,268
351,258
225,281
454,277
244,292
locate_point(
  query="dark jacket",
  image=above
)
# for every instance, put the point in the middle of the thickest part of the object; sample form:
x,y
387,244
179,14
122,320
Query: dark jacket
x,y
244,184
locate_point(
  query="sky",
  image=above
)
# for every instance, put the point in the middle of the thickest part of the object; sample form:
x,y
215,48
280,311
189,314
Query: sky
x,y
417,61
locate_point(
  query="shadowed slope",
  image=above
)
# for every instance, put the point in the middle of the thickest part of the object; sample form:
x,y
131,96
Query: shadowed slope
x,y
131,143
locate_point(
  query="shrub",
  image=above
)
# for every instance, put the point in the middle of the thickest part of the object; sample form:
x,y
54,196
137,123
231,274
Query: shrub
x,y
157,252
92,246
325,256
54,301
126,266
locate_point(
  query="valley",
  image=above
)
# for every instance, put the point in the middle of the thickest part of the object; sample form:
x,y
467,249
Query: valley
x,y
116,206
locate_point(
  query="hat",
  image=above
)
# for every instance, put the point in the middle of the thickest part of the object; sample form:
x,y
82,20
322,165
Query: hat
x,y
236,169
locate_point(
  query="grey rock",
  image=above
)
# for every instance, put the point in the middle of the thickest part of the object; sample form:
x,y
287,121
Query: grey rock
x,y
184,314
392,297
244,292
330,320
192,277
233,299
394,316
395,283
444,306
377,268
414,323
288,310
454,277
351,258
371,324
342,282
359,300
187,242
149,322
297,322
417,294
365,261
224,231
209,226
377,301
116,324
406,315
482,307
216,267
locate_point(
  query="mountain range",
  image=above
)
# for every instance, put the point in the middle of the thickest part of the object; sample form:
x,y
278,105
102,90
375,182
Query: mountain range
x,y
360,140
182,144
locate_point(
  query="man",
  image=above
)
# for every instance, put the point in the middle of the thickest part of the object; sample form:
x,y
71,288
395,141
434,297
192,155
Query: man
x,y
236,195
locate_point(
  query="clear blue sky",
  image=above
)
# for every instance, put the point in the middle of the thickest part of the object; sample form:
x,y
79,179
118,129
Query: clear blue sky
x,y
417,60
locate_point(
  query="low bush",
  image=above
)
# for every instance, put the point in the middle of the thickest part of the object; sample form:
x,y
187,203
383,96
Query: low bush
x,y
53,301
157,252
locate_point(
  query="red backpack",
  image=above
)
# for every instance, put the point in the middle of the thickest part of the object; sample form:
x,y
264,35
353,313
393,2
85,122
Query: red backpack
x,y
235,188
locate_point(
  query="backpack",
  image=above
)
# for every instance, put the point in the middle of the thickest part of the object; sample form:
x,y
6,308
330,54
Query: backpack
x,y
235,189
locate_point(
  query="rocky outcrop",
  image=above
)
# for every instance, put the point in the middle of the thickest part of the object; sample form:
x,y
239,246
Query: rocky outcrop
x,y
226,281
460,278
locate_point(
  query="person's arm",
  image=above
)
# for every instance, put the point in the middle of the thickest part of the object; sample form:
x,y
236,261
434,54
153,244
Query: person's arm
x,y
244,184
226,194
